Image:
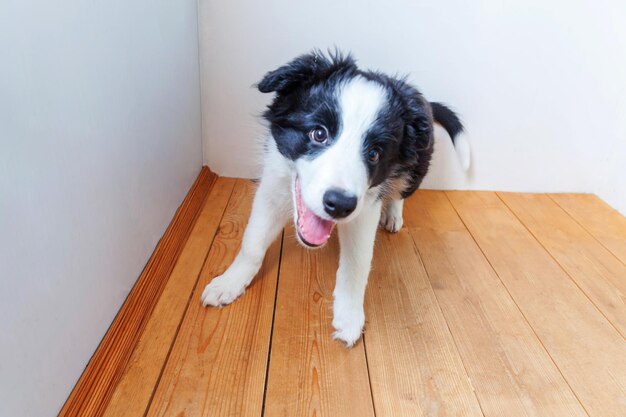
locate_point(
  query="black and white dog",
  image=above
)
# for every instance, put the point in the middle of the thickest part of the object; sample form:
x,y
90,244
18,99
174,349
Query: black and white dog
x,y
346,146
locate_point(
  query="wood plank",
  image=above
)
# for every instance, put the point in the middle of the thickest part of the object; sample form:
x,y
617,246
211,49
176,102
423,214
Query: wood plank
x,y
589,352
218,362
415,368
596,270
310,374
97,383
133,393
512,373
600,219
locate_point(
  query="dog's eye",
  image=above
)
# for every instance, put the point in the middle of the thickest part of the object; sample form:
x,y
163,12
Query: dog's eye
x,y
373,155
319,134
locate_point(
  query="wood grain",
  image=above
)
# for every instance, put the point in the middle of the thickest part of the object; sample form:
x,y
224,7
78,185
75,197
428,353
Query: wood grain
x,y
512,373
602,221
503,307
97,383
588,351
596,270
218,362
415,368
310,374
133,392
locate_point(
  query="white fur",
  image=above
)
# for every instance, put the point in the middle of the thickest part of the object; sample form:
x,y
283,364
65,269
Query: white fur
x,y
270,210
462,147
340,166
356,239
391,218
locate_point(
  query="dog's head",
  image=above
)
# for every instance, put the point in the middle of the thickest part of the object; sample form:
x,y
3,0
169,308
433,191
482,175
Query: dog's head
x,y
350,134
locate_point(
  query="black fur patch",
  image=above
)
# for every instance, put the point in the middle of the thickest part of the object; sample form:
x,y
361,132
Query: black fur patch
x,y
448,119
305,99
403,131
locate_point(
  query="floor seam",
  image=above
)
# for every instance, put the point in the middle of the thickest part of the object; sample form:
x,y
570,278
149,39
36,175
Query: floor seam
x,y
506,288
369,377
443,315
585,229
456,346
269,352
559,264
206,256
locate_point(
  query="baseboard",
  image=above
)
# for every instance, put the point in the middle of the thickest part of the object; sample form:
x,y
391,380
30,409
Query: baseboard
x,y
97,383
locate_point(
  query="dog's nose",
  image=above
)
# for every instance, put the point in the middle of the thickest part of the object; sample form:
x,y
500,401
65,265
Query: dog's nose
x,y
338,203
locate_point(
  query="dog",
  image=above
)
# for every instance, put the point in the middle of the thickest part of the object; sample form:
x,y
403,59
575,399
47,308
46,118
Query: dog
x,y
345,147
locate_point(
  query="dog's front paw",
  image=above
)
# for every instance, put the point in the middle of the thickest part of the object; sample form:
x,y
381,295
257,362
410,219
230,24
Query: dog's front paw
x,y
222,290
391,220
348,324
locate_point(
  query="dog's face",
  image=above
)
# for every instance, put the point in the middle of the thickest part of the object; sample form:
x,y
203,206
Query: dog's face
x,y
349,134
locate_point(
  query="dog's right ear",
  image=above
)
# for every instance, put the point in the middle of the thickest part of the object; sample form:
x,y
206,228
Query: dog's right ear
x,y
303,70
300,71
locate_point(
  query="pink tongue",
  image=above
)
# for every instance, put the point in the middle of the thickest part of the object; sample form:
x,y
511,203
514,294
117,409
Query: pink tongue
x,y
312,228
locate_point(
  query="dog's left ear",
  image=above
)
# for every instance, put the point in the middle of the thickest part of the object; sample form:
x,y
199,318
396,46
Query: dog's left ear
x,y
304,70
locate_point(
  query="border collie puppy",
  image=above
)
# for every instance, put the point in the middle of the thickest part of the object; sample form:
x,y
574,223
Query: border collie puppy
x,y
345,147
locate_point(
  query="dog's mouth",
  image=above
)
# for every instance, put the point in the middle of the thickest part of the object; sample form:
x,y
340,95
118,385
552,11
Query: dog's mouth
x,y
313,231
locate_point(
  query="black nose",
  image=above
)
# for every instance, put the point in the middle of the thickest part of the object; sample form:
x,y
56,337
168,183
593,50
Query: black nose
x,y
338,203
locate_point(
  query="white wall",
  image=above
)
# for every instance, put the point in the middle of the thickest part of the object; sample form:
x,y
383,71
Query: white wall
x,y
540,85
99,142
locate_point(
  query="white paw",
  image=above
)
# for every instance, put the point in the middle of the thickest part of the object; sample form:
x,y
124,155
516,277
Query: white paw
x,y
391,220
222,290
348,324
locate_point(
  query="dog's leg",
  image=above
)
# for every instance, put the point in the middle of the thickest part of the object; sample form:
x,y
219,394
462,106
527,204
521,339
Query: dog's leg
x,y
356,239
391,218
270,211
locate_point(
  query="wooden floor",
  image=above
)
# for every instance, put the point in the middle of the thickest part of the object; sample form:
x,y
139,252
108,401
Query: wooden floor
x,y
484,304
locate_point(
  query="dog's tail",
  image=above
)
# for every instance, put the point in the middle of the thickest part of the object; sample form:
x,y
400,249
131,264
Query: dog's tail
x,y
452,124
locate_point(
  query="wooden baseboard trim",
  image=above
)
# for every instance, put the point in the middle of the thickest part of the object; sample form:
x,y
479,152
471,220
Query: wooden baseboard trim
x,y
97,383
